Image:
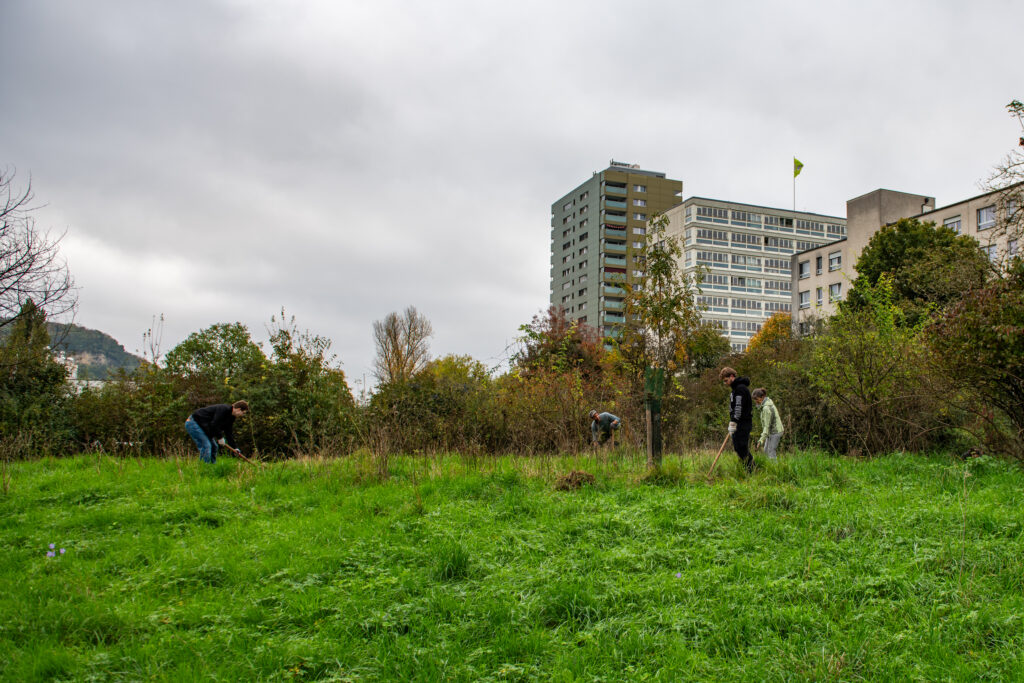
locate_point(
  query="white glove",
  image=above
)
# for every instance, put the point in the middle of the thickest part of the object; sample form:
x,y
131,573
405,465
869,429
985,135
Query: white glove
x,y
732,427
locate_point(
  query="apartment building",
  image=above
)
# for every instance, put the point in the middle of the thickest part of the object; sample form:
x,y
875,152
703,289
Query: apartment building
x,y
743,254
597,241
822,276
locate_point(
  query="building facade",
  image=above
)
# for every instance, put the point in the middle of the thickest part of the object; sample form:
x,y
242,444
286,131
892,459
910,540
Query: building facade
x,y
597,241
742,254
822,276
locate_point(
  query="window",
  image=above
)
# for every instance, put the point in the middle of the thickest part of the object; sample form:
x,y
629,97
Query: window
x,y
805,299
711,214
568,205
835,260
638,245
818,295
746,262
583,318
777,244
835,292
640,216
582,292
583,306
566,285
713,258
583,223
776,265
639,188
776,307
706,236
778,286
953,224
834,230
566,245
747,240
801,245
1011,248
805,269
584,209
566,297
639,202
582,279
583,236
817,265
639,231
638,273
582,265
990,251
565,233
583,250
987,217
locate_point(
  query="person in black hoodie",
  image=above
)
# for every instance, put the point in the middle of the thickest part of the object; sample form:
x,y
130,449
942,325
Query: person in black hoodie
x,y
207,425
741,415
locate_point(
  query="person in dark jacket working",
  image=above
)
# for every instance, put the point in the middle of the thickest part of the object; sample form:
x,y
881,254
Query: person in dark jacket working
x,y
207,425
741,415
601,426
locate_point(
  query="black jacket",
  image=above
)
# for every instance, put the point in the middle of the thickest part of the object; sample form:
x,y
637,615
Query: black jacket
x,y
216,421
740,404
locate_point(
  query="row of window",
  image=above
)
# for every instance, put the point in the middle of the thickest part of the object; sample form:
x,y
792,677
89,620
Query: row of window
x,y
712,214
835,262
835,293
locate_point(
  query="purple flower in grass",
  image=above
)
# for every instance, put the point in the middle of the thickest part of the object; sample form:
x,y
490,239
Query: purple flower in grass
x,y
679,575
62,551
52,546
49,553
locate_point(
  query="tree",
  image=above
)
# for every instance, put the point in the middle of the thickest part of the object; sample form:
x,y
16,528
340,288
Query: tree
x,y
32,383
402,348
867,369
554,342
775,331
929,267
31,266
661,317
215,361
978,344
1007,181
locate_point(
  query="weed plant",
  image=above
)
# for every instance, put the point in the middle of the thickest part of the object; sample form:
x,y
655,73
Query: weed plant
x,y
477,569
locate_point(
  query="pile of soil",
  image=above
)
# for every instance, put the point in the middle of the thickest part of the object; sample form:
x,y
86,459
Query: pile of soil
x,y
574,480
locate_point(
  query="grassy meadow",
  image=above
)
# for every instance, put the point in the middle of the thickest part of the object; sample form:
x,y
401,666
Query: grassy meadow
x,y
455,568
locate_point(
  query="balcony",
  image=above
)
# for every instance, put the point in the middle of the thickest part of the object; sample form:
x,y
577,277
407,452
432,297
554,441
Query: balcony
x,y
612,290
614,318
613,260
612,189
614,232
614,204
614,306
614,247
613,218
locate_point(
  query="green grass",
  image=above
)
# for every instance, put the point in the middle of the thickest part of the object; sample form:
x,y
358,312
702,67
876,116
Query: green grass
x,y
816,568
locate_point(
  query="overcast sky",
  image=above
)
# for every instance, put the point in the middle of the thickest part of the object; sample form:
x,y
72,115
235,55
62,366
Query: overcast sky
x,y
216,161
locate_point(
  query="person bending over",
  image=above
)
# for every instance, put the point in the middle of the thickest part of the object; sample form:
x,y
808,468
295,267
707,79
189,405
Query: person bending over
x,y
601,426
207,425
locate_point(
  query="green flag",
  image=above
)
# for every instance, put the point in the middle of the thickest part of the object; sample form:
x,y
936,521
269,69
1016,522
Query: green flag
x,y
797,167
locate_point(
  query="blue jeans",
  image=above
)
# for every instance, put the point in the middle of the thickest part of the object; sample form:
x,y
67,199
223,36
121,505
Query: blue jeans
x,y
207,446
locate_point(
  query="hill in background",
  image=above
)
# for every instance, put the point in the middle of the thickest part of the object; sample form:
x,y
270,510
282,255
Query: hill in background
x,y
98,354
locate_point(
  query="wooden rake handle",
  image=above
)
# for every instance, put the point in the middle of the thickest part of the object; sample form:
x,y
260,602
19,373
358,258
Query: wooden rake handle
x,y
711,471
239,454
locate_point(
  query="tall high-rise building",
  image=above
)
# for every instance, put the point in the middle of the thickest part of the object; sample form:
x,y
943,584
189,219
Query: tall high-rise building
x,y
743,253
597,233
